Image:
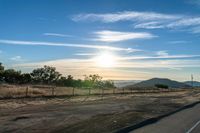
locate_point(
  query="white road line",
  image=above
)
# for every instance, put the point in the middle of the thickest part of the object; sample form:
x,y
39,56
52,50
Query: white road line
x,y
190,130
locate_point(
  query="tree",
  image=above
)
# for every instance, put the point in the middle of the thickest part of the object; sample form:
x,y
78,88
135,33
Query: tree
x,y
12,76
1,67
1,72
25,78
109,84
93,81
63,81
161,86
78,83
70,81
49,75
45,75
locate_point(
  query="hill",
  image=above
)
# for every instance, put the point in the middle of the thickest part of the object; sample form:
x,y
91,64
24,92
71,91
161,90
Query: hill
x,y
164,81
123,83
195,83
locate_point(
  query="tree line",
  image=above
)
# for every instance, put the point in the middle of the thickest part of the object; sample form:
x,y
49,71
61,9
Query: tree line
x,y
48,75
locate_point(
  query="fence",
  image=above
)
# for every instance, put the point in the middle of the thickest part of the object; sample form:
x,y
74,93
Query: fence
x,y
52,91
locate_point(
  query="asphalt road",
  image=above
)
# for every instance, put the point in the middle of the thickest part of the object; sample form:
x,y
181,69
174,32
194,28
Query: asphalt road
x,y
185,121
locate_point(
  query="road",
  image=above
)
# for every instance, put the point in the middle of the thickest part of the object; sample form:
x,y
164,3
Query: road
x,y
185,121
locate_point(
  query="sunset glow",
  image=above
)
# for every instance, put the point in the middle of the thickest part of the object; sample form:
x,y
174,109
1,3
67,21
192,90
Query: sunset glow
x,y
105,59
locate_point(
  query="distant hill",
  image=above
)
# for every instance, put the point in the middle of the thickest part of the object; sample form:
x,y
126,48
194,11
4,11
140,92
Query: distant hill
x,y
164,81
195,83
123,83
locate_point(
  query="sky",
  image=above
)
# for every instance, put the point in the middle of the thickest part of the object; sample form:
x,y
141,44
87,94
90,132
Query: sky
x,y
117,39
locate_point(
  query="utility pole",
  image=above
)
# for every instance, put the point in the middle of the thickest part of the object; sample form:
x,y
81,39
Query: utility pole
x,y
192,78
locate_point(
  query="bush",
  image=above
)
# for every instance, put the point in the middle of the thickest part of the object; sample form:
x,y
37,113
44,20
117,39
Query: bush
x,y
161,86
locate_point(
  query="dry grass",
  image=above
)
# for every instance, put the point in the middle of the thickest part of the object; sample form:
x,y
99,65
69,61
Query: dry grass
x,y
13,91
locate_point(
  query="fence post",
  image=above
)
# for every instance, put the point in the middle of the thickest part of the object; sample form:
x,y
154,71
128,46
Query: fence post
x,y
53,91
113,90
123,90
102,94
27,91
89,90
73,93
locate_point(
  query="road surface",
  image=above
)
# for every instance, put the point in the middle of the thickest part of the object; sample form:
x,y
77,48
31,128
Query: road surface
x,y
185,121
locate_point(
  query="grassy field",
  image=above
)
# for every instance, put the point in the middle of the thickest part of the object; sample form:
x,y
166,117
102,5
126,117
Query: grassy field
x,y
17,91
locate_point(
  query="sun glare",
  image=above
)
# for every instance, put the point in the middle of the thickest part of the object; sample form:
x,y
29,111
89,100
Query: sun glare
x,y
105,59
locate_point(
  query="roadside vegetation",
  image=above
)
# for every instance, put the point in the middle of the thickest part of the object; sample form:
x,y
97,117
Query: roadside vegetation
x,y
48,75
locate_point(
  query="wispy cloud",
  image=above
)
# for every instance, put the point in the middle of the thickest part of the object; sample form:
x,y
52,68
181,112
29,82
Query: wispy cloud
x,y
194,2
124,16
116,36
185,21
162,53
188,23
36,43
16,58
178,42
159,57
57,35
146,20
85,54
196,30
150,25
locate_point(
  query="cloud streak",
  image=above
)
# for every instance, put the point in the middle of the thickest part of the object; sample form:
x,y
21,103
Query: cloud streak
x,y
145,20
36,43
194,2
16,58
85,54
116,36
159,57
57,35
124,16
178,42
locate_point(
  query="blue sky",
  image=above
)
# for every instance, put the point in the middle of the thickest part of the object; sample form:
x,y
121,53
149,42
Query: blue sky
x,y
116,39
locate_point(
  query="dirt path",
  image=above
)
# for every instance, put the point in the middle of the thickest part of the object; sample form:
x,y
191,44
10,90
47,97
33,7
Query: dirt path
x,y
87,114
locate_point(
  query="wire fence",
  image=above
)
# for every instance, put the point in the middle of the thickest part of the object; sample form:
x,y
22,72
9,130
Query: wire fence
x,y
8,91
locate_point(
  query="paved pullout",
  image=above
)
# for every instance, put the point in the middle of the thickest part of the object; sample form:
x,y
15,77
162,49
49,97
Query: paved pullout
x,y
185,121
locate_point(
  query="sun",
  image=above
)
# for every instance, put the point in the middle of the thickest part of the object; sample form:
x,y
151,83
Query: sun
x,y
105,59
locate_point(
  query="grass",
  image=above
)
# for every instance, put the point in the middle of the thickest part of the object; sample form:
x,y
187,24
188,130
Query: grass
x,y
15,91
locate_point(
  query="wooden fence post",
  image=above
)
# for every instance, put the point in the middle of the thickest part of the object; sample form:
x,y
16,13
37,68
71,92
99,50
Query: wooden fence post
x,y
102,92
73,93
53,91
89,90
27,91
113,90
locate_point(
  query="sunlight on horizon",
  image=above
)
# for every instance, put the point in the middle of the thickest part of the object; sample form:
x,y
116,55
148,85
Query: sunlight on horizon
x,y
105,60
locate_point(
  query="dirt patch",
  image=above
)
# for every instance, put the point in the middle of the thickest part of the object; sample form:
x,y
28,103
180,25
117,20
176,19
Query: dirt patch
x,y
103,123
111,122
20,118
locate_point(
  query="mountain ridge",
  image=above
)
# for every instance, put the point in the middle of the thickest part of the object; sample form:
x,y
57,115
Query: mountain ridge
x,y
195,83
165,81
